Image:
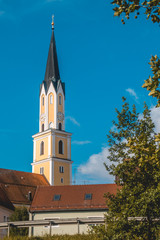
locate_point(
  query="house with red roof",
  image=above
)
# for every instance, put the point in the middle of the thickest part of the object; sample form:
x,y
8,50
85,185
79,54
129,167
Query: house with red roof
x,y
20,187
71,202
17,189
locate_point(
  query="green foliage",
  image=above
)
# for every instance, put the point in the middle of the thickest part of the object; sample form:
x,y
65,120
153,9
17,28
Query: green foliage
x,y
122,130
152,83
58,237
99,232
136,163
20,214
150,8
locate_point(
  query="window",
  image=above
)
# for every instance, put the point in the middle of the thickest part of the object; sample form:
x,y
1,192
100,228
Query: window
x,y
43,127
53,226
51,99
41,170
30,194
5,219
61,169
51,125
42,148
88,196
61,180
42,101
60,126
93,225
60,100
57,197
60,147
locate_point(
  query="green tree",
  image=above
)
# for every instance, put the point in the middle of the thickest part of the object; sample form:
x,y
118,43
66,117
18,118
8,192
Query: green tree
x,y
20,214
136,156
136,164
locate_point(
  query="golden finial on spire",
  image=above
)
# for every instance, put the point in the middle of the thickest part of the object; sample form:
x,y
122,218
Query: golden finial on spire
x,y
52,22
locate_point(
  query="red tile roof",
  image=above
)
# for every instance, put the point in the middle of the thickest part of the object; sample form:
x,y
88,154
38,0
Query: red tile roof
x,y
4,201
17,185
21,178
72,197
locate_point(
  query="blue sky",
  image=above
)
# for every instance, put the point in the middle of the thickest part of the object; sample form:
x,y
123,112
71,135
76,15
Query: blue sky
x,y
100,61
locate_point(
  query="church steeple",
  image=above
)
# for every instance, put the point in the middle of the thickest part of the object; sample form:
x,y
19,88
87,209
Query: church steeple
x,y
52,145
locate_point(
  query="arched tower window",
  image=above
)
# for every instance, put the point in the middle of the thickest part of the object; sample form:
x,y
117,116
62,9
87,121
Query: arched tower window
x,y
43,127
51,99
60,100
42,148
43,104
42,101
60,126
60,147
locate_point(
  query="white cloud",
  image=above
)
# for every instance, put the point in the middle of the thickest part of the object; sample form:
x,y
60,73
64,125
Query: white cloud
x,y
95,168
132,93
73,120
81,142
155,115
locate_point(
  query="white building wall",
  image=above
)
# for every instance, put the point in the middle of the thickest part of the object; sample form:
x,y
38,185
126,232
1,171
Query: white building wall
x,y
4,214
70,229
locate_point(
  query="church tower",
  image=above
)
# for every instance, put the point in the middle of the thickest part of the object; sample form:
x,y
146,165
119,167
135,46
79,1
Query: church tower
x,y
52,145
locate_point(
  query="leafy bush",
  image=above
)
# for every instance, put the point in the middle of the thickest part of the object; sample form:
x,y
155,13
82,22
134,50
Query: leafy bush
x,y
99,232
58,237
20,214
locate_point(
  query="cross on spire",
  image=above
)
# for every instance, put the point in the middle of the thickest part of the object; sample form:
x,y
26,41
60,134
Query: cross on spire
x,y
52,22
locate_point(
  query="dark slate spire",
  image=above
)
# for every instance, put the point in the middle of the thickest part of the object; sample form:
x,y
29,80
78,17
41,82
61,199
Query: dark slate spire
x,y
52,70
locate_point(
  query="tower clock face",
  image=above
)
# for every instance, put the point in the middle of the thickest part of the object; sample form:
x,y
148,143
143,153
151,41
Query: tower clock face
x,y
60,116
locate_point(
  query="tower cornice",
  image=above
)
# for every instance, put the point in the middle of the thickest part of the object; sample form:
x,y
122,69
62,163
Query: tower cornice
x,y
52,131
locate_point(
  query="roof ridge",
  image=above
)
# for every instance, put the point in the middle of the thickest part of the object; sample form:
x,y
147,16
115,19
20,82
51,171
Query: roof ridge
x,y
19,171
103,184
16,184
